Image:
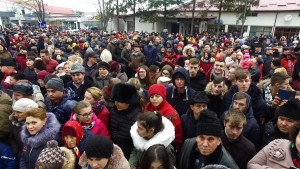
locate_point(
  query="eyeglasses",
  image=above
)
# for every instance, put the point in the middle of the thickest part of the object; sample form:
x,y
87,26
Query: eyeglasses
x,y
86,114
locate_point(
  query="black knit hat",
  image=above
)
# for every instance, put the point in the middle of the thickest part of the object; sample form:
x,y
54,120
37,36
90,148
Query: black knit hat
x,y
7,62
209,124
30,57
56,84
125,93
24,87
180,62
290,109
104,65
200,97
98,146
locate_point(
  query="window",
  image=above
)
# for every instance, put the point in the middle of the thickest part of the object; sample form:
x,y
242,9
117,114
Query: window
x,y
130,26
252,14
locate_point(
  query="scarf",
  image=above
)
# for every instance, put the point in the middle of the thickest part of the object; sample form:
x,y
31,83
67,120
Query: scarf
x,y
98,106
290,68
295,155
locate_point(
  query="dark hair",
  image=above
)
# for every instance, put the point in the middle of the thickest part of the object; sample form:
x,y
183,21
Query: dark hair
x,y
18,75
294,132
242,74
39,64
278,77
194,61
241,95
156,152
218,79
151,120
45,51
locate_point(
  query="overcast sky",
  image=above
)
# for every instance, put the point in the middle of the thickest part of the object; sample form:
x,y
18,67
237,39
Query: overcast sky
x,y
82,5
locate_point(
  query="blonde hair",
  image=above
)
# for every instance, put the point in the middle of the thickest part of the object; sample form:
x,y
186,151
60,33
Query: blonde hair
x,y
81,105
135,82
75,59
96,93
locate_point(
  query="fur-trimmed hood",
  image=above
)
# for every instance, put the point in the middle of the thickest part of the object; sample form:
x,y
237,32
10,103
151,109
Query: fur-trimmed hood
x,y
184,52
48,132
117,160
70,159
165,137
208,89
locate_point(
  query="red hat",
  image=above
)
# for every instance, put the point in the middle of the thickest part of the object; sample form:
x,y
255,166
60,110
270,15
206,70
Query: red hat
x,y
157,89
42,74
114,66
180,45
72,128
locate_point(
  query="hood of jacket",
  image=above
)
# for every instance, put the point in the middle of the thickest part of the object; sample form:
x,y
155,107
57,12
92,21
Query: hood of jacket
x,y
78,130
184,73
48,132
249,111
190,48
5,99
70,160
165,137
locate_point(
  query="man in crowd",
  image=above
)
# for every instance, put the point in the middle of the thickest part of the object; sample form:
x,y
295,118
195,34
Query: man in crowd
x,y
50,63
198,81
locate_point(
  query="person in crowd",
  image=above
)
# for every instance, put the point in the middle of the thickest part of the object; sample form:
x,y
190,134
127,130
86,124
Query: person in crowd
x,y
231,59
267,59
242,101
6,111
136,59
206,148
255,69
39,128
103,76
246,61
55,157
151,128
90,65
230,81
159,103
244,84
150,53
166,71
207,62
7,157
94,96
215,91
288,62
217,70
188,52
191,117
4,53
67,77
143,93
279,153
105,55
84,114
29,72
125,55
115,70
156,156
7,67
239,147
197,78
50,63
180,94
143,74
101,152
123,115
21,58
59,101
285,119
17,119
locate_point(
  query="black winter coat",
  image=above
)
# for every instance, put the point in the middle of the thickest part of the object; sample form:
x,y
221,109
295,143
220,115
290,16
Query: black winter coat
x,y
120,125
198,82
30,75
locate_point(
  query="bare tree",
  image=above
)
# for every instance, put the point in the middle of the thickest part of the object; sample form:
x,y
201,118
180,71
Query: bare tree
x,y
36,5
105,10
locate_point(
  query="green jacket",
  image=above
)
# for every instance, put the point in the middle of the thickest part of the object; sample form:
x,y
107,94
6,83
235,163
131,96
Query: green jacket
x,y
6,110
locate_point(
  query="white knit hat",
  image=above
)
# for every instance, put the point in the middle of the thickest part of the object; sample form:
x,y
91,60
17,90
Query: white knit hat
x,y
24,104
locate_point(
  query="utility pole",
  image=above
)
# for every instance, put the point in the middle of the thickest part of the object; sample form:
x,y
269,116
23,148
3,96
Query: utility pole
x,y
193,17
219,19
244,18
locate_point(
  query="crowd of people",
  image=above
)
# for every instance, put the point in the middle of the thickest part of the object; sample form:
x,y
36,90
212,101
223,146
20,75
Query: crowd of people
x,y
138,100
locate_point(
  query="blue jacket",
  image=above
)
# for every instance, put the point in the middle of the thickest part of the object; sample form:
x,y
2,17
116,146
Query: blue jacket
x,y
258,104
189,125
34,144
150,55
7,158
64,108
180,102
251,131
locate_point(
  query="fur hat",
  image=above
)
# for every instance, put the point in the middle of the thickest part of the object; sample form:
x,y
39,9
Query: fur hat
x,y
24,87
99,146
157,89
290,109
56,84
125,93
24,104
51,157
200,97
77,68
209,124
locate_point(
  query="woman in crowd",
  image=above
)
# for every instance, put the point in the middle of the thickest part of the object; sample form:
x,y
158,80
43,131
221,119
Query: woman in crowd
x,y
101,152
94,96
84,114
39,128
123,115
279,153
166,71
151,128
158,102
156,156
142,92
143,74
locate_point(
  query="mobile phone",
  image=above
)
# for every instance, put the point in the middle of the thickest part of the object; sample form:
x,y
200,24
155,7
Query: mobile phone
x,y
285,94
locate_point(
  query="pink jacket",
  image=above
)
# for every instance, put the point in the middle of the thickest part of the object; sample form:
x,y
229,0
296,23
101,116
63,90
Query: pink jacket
x,y
275,155
96,126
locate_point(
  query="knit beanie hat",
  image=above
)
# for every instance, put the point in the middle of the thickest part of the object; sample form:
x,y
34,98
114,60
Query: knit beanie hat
x,y
114,66
30,58
56,84
104,65
209,124
51,157
77,68
157,89
247,55
98,146
200,97
24,87
290,109
42,74
24,104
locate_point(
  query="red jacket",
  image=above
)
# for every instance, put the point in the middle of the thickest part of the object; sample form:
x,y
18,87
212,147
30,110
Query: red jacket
x,y
285,64
170,113
6,78
21,59
51,65
101,112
